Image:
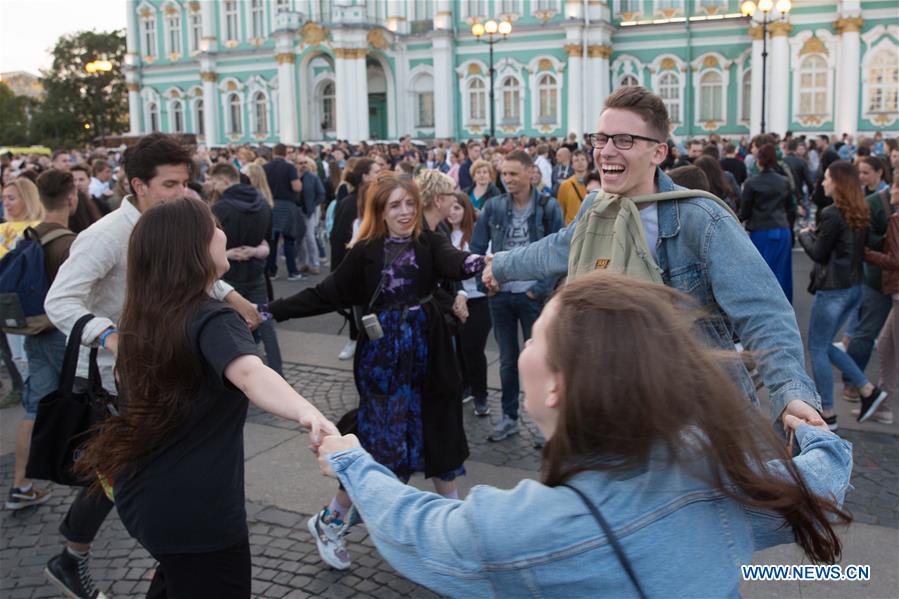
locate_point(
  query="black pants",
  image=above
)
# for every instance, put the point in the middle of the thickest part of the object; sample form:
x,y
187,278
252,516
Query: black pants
x,y
474,339
224,574
85,516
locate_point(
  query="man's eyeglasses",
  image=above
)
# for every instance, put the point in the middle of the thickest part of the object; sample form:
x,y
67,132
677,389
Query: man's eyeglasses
x,y
622,141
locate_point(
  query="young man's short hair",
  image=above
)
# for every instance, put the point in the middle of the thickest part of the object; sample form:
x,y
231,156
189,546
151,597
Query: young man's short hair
x,y
54,187
142,160
711,150
99,166
729,148
81,167
580,153
521,157
646,104
225,170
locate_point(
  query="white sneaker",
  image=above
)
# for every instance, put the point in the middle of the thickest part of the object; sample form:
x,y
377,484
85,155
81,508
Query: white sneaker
x,y
328,534
348,351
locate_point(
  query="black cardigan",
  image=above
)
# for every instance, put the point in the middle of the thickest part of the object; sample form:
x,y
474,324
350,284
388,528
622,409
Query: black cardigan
x,y
353,284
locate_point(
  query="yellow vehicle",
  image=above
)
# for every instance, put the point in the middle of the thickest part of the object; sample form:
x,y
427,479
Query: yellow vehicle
x,y
18,150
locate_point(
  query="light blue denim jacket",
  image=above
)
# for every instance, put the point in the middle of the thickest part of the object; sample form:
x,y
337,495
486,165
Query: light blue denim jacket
x,y
704,252
683,537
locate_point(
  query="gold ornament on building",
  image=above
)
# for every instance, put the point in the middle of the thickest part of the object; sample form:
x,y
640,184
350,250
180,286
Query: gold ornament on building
x,y
545,64
149,59
710,125
171,10
629,16
231,44
780,29
313,33
350,53
474,69
377,40
231,86
208,76
194,6
146,13
285,58
710,62
810,120
667,63
133,87
756,32
174,56
813,45
848,24
175,94
574,50
599,51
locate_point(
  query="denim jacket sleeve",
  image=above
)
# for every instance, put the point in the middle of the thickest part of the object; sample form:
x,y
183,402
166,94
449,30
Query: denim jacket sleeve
x,y
759,312
545,258
555,221
825,465
449,557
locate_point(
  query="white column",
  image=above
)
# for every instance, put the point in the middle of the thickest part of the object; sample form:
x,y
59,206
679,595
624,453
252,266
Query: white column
x,y
443,15
343,92
780,77
132,76
444,80
847,101
207,21
755,106
287,103
132,42
597,82
360,94
210,102
574,72
135,108
352,93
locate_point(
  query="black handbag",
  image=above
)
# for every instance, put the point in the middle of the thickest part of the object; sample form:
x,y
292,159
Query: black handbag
x,y
66,419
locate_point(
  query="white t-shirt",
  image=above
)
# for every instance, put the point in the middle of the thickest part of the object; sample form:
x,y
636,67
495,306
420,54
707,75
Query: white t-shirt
x,y
649,216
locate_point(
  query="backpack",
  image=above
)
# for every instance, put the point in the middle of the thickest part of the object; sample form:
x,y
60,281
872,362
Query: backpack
x,y
24,284
610,235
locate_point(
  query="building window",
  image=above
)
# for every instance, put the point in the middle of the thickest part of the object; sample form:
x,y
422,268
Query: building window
x,y
477,100
710,95
328,106
507,7
232,33
547,93
153,113
260,113
883,82
669,91
148,26
173,27
196,31
199,124
282,6
813,85
511,95
234,114
177,117
669,4
746,100
475,8
424,109
628,80
257,19
629,6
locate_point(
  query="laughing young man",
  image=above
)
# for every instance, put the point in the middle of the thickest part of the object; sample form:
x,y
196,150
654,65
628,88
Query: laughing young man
x,y
699,246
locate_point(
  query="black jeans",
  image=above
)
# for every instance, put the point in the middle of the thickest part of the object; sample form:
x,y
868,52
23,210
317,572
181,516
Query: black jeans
x,y
258,294
85,516
474,340
223,574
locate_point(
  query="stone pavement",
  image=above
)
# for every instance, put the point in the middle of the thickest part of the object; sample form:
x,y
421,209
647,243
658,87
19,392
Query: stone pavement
x,y
284,488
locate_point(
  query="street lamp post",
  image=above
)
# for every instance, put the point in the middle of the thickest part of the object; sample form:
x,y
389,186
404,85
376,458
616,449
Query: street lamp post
x,y
98,67
748,9
491,28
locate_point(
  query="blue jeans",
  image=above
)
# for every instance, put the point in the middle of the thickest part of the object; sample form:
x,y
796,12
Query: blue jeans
x,y
45,354
830,311
257,294
508,310
873,313
290,255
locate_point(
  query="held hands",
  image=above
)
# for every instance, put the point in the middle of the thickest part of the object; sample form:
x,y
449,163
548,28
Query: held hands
x,y
797,412
317,425
240,254
331,444
460,308
246,309
487,277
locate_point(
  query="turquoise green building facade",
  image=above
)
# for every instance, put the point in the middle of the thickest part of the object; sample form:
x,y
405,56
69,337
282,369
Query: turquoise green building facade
x,y
263,71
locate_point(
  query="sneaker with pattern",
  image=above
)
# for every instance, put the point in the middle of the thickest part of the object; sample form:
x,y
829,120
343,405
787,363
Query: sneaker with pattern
x,y
328,532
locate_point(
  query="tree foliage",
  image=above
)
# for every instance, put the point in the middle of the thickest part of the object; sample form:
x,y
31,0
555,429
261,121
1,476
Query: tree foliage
x,y
13,117
75,98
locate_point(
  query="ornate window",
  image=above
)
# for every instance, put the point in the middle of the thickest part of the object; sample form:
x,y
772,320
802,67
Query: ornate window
x,y
177,123
883,81
327,106
669,90
199,123
260,114
547,93
474,9
173,30
196,30
153,114
232,23
711,94
511,101
424,109
148,34
746,103
813,85
477,100
282,6
257,19
628,80
235,120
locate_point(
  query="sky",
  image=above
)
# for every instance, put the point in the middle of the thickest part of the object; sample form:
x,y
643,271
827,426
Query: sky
x,y
30,28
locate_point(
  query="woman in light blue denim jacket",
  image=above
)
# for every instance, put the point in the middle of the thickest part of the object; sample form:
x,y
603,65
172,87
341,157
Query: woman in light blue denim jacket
x,y
640,419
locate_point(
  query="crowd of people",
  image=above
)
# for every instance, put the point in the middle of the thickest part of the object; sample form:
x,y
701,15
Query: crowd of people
x,y
594,251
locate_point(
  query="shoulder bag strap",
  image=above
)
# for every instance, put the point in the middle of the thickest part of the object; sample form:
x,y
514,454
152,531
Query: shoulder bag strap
x,y
613,540
70,360
54,235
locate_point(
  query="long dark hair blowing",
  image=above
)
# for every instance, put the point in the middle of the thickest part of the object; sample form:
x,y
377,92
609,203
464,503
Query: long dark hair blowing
x,y
170,272
718,183
847,194
677,396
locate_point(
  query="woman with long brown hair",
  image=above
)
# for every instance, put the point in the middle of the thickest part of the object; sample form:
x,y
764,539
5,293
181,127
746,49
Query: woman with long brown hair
x,y
187,365
410,413
680,479
838,248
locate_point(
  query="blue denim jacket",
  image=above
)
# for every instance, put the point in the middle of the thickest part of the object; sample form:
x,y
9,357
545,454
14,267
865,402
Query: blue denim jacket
x,y
536,541
703,251
493,223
